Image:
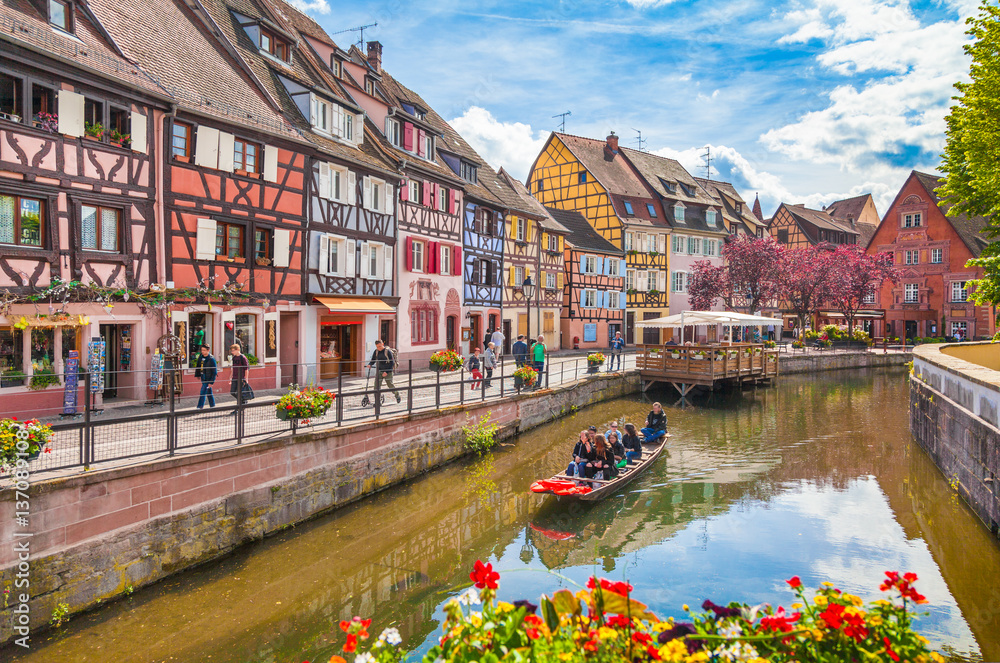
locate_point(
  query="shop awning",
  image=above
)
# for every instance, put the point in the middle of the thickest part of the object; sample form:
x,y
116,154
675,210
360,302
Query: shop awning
x,y
355,305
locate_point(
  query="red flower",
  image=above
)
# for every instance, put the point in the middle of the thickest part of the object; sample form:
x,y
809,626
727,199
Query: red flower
x,y
653,652
484,575
622,588
833,616
641,638
779,621
288,407
618,621
794,582
888,649
855,627
590,645
352,643
344,625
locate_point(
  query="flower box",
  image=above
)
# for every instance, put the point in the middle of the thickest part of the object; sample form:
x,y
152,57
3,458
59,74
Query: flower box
x,y
304,404
445,361
525,375
675,355
22,437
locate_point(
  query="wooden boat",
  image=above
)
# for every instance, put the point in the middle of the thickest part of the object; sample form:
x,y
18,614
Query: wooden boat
x,y
558,484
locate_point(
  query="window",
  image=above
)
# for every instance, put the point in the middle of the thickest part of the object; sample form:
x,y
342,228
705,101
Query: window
x,y
936,256
442,201
374,251
550,280
518,276
229,240
468,171
418,256
100,228
120,122
539,186
485,272
416,192
11,355
521,231
912,220
628,208
710,218
43,102
679,213
335,66
613,266
589,299
630,279
61,15
650,243
677,244
376,197
320,114
869,298
93,113
583,177
694,245
423,325
370,86
959,291
245,156
912,257
628,241
614,299
10,97
678,282
960,327
651,210
429,151
911,293
653,280
246,327
333,257
783,236
21,220
590,265
392,132
262,244
709,247
274,45
180,143
337,178
444,265
553,242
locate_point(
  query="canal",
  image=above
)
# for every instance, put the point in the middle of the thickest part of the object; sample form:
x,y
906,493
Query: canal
x,y
816,477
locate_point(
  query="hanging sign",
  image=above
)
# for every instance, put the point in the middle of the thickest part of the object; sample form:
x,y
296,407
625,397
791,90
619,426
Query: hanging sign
x,y
72,380
97,362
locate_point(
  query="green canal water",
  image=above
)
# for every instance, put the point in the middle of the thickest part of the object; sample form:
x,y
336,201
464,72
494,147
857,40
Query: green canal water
x,y
816,477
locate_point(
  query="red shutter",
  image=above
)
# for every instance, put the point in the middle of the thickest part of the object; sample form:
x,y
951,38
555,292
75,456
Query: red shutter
x,y
408,136
427,194
404,190
456,257
432,257
409,254
453,195
420,142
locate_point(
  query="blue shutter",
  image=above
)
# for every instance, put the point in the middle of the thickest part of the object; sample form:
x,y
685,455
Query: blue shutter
x,y
602,299
582,293
621,268
622,298
583,264
600,265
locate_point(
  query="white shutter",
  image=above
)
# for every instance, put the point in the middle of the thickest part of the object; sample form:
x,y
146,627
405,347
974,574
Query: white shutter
x,y
642,280
365,260
662,243
324,255
387,263
206,152
138,132
359,128
70,113
205,240
390,191
366,195
352,188
226,144
282,247
325,181
350,269
270,163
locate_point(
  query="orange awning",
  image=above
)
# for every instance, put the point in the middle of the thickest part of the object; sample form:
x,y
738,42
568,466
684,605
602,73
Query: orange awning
x,y
355,305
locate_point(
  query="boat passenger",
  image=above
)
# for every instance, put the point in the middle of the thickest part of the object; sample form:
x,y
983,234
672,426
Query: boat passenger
x,y
615,443
604,460
583,453
656,424
632,443
612,428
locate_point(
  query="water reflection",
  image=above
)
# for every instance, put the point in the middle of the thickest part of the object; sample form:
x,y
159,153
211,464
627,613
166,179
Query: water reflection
x,y
815,478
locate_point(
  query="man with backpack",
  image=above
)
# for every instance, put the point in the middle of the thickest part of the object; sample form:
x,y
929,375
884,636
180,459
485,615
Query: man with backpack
x,y
384,361
617,350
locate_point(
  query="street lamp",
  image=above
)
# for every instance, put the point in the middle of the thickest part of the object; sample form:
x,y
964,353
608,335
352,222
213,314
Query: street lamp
x,y
528,289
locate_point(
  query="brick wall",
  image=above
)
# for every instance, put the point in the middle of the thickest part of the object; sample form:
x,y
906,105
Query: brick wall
x,y
790,364
95,534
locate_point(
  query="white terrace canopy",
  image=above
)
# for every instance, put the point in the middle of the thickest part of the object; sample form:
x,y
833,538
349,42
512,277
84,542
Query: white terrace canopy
x,y
708,318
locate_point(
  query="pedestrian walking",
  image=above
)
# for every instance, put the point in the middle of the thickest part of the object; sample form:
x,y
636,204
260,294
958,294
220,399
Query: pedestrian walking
x,y
538,358
520,351
207,369
489,363
497,339
383,360
241,365
488,337
474,364
617,350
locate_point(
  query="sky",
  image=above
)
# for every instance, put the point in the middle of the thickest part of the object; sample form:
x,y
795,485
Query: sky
x,y
801,101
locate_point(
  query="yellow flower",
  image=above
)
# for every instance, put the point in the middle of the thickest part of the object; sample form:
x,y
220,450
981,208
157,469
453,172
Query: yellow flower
x,y
476,620
937,657
827,584
674,651
875,620
923,640
854,611
816,634
819,600
856,600
565,656
503,606
697,657
881,602
605,633
685,607
796,606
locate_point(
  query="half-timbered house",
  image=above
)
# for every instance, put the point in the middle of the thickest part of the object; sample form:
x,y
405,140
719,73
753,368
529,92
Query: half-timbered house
x,y
594,178
737,217
78,151
797,226
534,248
593,297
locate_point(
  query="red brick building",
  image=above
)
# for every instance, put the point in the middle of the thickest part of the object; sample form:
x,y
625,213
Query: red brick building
x,y
931,249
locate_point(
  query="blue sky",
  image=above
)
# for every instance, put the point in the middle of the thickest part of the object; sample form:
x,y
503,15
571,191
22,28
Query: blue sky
x,y
802,101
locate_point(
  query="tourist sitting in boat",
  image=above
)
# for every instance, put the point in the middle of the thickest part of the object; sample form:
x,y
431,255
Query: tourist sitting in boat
x,y
604,460
632,443
612,428
615,443
583,453
656,424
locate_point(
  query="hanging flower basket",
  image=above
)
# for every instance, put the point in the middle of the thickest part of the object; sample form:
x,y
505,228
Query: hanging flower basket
x,y
304,404
445,361
22,437
527,375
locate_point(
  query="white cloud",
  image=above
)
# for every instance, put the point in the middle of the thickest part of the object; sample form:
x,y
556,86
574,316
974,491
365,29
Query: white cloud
x,y
311,6
511,145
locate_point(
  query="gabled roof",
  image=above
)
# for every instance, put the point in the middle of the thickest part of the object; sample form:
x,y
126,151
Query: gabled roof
x,y
849,208
611,170
582,234
819,219
660,171
538,210
969,229
726,195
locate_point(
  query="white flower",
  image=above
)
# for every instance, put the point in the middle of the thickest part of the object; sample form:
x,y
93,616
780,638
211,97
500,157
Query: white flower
x,y
469,597
391,635
730,630
364,658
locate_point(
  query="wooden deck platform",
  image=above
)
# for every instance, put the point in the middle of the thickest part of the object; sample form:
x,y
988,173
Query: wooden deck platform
x,y
690,366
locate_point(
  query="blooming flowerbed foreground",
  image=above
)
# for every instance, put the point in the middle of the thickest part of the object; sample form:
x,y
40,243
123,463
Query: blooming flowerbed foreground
x,y
304,404
603,623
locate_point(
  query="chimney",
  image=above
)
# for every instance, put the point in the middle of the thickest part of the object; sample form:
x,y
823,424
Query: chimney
x,y
375,55
613,142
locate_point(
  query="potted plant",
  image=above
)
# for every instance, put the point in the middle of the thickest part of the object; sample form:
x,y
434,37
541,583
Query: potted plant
x,y
47,122
798,345
252,360
654,293
116,137
22,437
304,404
445,361
12,377
526,375
675,354
824,342
594,361
770,344
93,131
653,253
262,262
699,354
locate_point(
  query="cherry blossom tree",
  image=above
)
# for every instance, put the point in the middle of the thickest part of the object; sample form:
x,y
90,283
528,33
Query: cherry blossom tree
x,y
806,281
857,276
747,280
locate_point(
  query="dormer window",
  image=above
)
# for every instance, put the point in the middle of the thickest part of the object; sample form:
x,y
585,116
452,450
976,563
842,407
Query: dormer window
x,y
392,131
335,66
320,114
710,218
688,191
429,153
468,173
671,187
370,86
272,44
61,15
628,207
679,213
651,210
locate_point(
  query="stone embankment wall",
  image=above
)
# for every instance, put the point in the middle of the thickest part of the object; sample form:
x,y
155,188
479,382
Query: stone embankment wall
x,y
954,403
97,534
790,364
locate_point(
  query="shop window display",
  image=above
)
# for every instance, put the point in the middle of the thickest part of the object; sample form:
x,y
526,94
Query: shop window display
x,y
242,331
69,342
199,333
43,370
11,357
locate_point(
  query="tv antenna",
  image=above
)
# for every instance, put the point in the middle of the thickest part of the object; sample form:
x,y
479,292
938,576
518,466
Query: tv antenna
x,y
562,125
707,156
361,29
640,141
